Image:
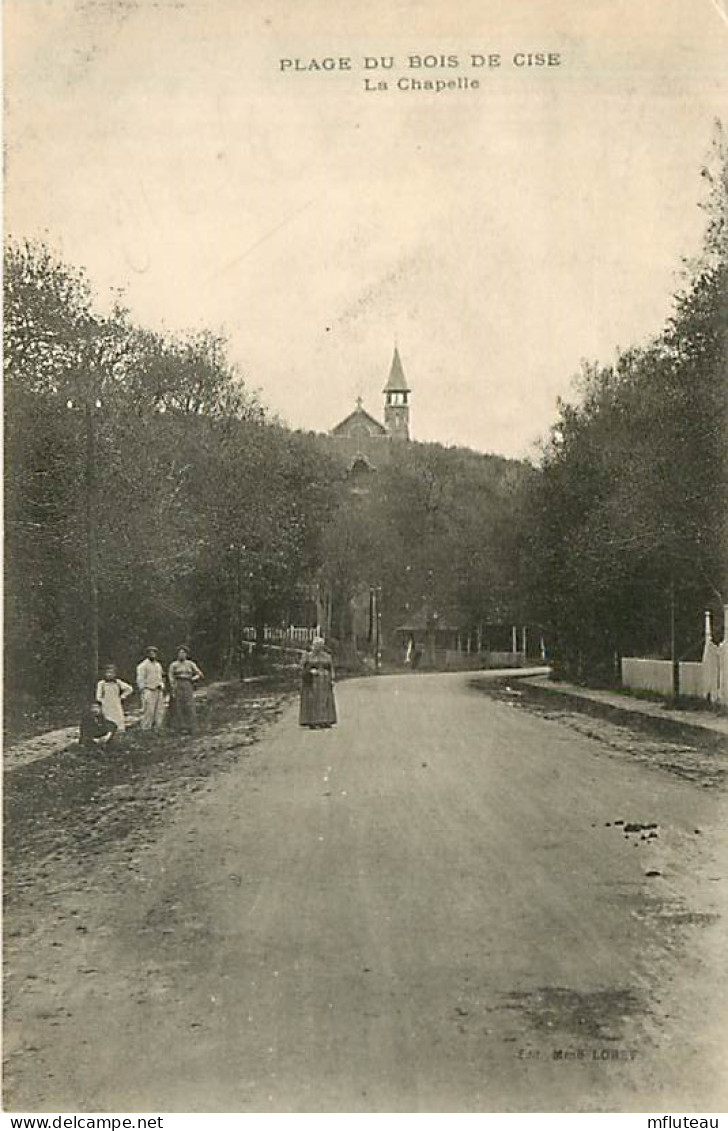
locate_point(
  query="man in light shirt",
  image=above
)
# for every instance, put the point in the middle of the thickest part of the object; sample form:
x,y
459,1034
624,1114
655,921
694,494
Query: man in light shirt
x,y
150,681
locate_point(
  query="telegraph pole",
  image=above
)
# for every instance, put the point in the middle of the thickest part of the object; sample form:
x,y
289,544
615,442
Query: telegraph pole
x,y
378,629
673,643
92,557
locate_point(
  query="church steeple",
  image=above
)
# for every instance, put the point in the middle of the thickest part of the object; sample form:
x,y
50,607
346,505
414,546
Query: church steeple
x,y
396,401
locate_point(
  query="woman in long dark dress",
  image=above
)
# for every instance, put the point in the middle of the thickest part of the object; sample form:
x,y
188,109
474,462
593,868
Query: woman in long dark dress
x,y
183,675
318,707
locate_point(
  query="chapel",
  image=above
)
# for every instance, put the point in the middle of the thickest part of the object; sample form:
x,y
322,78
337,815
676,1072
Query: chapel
x,y
367,441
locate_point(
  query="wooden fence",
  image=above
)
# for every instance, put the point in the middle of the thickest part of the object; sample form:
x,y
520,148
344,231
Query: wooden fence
x,y
706,679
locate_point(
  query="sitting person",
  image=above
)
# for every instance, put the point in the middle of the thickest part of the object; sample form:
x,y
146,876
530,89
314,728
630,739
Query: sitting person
x,y
95,730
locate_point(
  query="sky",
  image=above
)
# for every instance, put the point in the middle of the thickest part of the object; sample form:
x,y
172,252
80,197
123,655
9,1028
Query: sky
x,y
498,234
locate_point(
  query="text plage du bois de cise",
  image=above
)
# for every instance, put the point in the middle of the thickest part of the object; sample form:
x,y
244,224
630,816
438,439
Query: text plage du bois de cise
x,y
420,72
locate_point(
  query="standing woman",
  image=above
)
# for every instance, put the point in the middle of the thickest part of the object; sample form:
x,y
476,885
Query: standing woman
x,y
183,675
318,707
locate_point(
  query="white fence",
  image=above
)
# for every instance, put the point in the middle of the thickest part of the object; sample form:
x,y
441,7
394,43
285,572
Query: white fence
x,y
705,680
290,635
694,681
503,660
656,675
647,675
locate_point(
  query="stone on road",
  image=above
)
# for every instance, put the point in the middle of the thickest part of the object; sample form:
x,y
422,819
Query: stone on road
x,y
433,907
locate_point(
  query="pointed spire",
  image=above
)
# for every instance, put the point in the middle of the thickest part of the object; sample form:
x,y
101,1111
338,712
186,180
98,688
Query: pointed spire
x,y
397,382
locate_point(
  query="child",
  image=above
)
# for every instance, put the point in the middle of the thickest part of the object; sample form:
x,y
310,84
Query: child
x,y
111,693
95,730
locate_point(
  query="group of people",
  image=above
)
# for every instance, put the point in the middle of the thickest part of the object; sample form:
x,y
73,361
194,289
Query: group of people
x,y
104,718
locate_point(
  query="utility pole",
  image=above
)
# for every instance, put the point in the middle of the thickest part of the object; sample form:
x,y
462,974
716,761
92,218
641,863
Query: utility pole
x,y
241,655
92,557
673,643
378,645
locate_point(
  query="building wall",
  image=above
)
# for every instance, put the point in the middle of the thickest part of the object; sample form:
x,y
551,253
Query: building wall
x,y
377,449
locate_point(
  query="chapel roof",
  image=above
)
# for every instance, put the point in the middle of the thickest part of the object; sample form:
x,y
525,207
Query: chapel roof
x,y
359,416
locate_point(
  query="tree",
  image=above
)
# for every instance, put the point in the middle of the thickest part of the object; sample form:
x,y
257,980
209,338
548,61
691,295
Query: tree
x,y
148,496
437,532
628,514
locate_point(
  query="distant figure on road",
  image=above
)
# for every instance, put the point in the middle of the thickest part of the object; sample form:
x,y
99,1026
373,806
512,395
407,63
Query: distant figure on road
x,y
318,707
111,693
150,681
95,730
183,675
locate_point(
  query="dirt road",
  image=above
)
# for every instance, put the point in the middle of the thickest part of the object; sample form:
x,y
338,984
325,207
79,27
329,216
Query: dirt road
x,y
445,904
